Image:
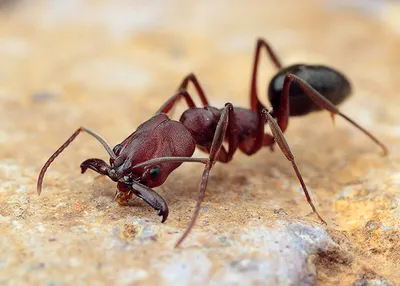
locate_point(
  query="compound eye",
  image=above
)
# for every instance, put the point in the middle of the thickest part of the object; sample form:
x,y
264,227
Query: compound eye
x,y
155,172
116,148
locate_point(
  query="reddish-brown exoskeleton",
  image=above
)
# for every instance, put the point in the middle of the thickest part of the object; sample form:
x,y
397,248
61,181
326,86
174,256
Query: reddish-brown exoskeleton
x,y
145,158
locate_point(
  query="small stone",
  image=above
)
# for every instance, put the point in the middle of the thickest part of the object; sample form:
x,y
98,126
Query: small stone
x,y
371,225
280,211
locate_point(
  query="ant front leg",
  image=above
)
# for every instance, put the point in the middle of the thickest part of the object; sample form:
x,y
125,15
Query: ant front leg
x,y
320,101
256,105
215,149
182,92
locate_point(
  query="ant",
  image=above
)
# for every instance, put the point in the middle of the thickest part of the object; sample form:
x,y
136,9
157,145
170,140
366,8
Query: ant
x,y
145,158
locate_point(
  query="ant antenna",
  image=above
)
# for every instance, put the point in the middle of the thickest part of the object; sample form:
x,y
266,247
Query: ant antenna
x,y
65,145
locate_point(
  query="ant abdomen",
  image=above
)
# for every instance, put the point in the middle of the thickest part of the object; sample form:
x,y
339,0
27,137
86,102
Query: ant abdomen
x,y
332,84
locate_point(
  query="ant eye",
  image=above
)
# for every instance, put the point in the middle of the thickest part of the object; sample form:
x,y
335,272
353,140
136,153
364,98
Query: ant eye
x,y
155,172
116,148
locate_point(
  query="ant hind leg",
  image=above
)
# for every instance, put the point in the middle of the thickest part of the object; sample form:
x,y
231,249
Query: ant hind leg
x,y
321,102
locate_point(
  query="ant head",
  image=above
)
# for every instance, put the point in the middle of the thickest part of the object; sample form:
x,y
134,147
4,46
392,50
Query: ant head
x,y
158,137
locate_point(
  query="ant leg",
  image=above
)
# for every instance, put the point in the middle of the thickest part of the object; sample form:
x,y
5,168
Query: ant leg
x,y
182,92
233,140
218,139
282,143
256,105
191,77
322,103
166,107
251,146
65,145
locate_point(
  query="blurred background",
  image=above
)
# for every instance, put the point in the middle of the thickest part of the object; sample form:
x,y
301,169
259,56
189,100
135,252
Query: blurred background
x,y
109,65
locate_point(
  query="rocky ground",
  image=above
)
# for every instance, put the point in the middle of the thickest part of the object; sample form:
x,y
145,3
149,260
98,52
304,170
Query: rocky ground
x,y
109,67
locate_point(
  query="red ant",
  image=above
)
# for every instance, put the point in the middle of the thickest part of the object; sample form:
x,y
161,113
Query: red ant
x,y
145,158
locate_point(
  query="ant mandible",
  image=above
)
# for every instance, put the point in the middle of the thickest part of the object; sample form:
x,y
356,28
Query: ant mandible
x,y
145,158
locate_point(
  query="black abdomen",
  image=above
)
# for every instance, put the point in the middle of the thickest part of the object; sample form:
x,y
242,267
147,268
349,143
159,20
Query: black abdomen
x,y
330,83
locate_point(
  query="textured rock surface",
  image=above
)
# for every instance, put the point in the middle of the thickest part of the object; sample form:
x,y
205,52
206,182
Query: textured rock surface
x,y
108,67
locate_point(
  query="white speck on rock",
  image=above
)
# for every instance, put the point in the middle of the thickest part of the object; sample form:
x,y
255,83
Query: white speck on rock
x,y
9,167
3,137
14,46
17,224
395,178
129,276
41,228
20,189
187,268
79,229
4,219
74,262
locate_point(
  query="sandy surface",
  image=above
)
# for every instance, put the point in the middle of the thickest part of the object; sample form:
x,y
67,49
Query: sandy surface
x,y
109,67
